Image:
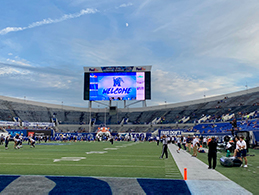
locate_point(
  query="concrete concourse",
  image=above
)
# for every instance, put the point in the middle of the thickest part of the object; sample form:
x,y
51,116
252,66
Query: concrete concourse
x,y
202,180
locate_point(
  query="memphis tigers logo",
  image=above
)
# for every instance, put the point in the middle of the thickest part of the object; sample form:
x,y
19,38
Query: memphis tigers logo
x,y
117,89
117,81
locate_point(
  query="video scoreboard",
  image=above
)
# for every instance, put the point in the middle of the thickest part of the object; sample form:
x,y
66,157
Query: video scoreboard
x,y
117,83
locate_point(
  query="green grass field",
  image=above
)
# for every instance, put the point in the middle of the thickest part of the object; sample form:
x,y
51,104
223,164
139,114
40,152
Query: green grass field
x,y
138,160
122,159
248,177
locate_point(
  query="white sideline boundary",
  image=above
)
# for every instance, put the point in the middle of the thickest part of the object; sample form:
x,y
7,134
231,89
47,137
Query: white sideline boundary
x,y
200,179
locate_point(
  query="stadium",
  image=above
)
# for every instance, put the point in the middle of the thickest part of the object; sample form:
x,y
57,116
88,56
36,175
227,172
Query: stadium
x,y
115,150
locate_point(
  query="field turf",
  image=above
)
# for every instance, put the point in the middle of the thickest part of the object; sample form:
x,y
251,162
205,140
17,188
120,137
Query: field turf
x,y
122,159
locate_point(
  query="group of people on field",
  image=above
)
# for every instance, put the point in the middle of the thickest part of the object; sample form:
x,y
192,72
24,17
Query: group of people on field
x,y
18,140
195,142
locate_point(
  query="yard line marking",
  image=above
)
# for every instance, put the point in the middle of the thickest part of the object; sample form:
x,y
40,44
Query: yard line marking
x,y
135,156
26,158
81,165
69,159
127,159
110,148
96,152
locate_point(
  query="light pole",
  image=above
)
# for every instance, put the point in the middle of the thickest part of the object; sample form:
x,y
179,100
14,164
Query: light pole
x,y
90,120
105,117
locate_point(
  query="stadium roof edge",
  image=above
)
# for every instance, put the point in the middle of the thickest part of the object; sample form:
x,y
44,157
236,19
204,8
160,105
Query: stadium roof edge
x,y
30,102
197,101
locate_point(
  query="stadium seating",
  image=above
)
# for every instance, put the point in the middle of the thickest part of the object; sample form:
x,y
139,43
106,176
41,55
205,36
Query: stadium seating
x,y
199,115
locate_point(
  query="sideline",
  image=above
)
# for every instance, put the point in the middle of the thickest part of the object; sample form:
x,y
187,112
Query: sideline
x,y
202,180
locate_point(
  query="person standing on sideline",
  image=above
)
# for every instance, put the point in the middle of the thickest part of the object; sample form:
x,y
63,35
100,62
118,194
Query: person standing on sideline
x,y
234,127
189,143
212,152
243,152
111,139
195,143
164,150
184,142
178,140
204,142
7,141
157,140
237,150
168,139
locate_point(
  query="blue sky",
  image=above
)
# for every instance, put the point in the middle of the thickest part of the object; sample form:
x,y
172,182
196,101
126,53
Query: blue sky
x,y
196,47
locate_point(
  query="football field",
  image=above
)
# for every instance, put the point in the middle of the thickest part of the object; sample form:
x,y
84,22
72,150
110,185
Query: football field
x,y
122,159
118,167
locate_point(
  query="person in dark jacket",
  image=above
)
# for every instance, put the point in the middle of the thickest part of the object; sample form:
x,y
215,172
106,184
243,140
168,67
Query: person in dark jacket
x,y
234,127
164,150
212,152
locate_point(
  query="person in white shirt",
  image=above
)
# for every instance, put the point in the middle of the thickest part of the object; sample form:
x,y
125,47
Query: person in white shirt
x,y
157,140
204,142
168,139
184,142
237,150
195,143
243,149
32,142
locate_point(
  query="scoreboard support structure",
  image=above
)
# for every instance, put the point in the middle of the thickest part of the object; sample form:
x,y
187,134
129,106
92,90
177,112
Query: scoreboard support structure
x,y
144,103
108,84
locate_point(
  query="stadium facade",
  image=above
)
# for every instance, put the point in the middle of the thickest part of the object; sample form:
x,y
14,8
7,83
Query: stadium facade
x,y
182,115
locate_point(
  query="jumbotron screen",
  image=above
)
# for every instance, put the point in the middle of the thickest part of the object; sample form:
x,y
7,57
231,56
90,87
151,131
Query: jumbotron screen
x,y
117,86
117,83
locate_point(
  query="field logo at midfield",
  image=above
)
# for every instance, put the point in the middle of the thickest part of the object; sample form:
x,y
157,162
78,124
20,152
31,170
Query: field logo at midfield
x,y
117,81
69,159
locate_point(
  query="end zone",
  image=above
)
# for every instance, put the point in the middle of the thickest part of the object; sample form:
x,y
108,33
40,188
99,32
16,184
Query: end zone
x,y
91,185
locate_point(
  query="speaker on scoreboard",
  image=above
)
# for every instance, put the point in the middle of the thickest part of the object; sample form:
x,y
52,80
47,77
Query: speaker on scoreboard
x,y
113,110
147,85
86,86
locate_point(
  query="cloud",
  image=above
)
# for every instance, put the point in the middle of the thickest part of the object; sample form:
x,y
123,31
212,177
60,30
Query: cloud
x,y
12,71
178,88
125,5
22,62
49,21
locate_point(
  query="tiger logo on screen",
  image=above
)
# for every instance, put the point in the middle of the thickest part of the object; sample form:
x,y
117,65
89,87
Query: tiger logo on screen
x,y
117,81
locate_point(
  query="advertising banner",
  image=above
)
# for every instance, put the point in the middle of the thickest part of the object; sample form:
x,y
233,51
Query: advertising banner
x,y
9,123
89,136
13,132
169,132
38,124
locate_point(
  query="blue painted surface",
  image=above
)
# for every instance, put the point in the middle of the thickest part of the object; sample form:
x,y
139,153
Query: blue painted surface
x,y
79,185
89,185
164,186
6,180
